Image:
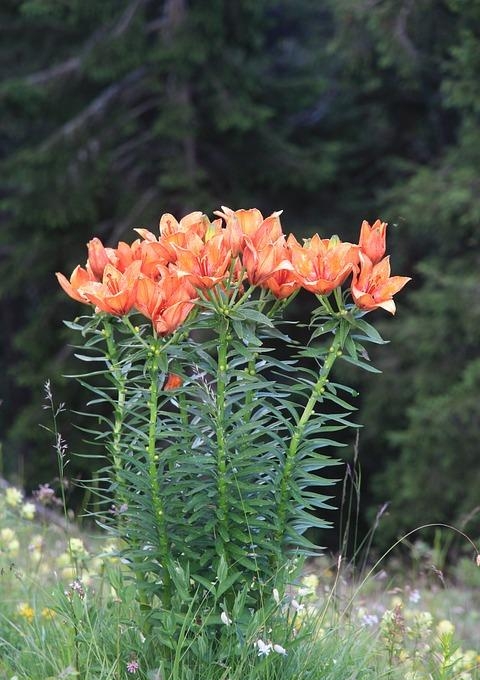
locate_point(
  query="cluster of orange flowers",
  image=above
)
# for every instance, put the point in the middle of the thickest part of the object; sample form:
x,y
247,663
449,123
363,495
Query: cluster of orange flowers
x,y
161,277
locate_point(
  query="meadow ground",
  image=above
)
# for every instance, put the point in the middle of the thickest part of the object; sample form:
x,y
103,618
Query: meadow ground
x,y
69,611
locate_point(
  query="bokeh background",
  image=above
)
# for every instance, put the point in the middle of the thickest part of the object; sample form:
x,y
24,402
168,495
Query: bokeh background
x,y
115,111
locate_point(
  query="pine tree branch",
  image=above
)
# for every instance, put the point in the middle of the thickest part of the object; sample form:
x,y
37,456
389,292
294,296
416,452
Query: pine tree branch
x,y
58,71
74,64
94,109
401,31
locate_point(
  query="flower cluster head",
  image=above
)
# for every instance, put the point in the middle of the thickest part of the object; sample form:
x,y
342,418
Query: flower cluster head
x,y
163,276
13,497
77,548
77,587
45,495
9,542
27,511
25,611
132,666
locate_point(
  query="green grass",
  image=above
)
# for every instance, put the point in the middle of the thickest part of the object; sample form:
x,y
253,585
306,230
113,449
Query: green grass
x,y
69,611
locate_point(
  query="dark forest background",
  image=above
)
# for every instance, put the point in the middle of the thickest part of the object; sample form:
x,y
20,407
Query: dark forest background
x,y
115,111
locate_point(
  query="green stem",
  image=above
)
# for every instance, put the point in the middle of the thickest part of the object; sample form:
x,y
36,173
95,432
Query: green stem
x,y
135,331
335,350
119,407
325,302
222,487
153,458
244,297
281,304
338,298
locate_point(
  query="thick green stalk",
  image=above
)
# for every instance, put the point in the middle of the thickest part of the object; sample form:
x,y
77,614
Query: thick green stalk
x,y
153,458
334,352
222,487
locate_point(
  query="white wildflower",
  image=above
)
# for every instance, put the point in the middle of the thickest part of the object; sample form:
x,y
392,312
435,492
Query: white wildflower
x,y
276,596
225,618
297,606
264,648
280,650
414,596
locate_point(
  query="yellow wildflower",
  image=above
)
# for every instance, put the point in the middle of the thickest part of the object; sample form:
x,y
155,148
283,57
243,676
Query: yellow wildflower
x,y
68,573
9,542
469,660
36,556
309,585
12,548
63,560
36,542
77,548
13,496
7,535
310,581
396,601
48,613
28,511
25,611
445,627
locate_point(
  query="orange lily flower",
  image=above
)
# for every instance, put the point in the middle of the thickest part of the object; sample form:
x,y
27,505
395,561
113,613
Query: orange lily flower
x,y
372,240
116,294
146,234
154,255
99,257
175,237
269,232
195,222
173,382
240,224
204,264
248,220
79,278
373,286
282,283
264,262
322,264
167,302
265,251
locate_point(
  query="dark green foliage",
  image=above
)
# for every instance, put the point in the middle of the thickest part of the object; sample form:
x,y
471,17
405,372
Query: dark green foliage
x,y
211,487
195,483
420,416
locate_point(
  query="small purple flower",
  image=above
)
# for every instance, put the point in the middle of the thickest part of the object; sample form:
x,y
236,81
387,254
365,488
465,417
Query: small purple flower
x,y
45,495
370,619
77,587
133,666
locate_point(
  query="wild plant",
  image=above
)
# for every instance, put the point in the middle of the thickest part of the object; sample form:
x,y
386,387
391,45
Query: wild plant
x,y
212,425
